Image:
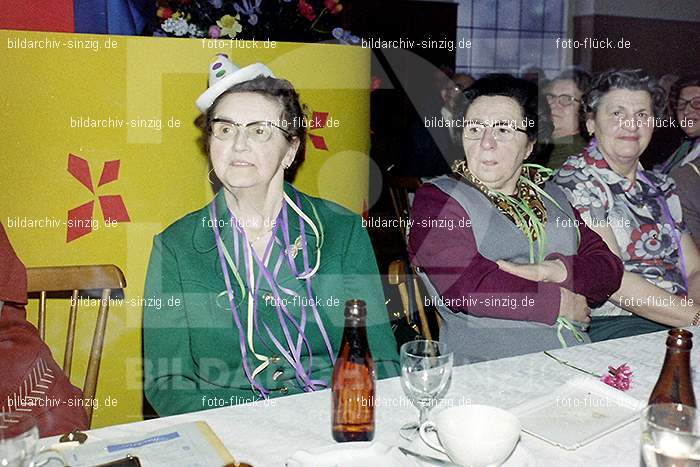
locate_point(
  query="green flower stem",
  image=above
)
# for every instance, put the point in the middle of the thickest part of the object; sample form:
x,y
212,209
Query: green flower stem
x,y
320,15
559,360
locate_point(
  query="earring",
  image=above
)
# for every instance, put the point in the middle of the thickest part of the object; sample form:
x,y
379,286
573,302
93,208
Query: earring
x,y
209,176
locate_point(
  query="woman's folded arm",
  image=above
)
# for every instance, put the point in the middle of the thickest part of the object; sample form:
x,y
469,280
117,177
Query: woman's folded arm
x,y
594,271
462,276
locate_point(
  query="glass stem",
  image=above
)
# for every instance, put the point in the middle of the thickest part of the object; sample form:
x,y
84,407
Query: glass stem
x,y
423,414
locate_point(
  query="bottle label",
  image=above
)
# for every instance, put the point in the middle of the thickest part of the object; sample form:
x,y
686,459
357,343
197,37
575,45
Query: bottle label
x,y
353,406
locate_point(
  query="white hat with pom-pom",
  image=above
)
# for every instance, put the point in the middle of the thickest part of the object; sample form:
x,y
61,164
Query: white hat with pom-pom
x,y
223,74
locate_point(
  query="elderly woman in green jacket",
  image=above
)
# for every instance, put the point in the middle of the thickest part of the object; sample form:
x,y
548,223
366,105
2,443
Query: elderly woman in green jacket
x,y
255,282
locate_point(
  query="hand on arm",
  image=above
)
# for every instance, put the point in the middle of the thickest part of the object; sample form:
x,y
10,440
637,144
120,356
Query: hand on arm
x,y
593,271
574,307
546,271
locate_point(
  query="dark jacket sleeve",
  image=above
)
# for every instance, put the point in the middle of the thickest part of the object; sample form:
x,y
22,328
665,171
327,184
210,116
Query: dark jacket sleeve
x,y
594,271
450,258
361,278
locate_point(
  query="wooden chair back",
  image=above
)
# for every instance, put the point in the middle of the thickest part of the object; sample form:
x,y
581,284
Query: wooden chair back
x,y
399,190
73,279
399,275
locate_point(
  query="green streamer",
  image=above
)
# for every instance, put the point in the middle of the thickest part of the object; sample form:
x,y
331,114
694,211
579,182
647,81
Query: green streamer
x,y
564,323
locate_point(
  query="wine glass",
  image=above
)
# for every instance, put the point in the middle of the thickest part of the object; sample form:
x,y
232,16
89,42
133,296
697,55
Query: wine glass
x,y
19,442
426,372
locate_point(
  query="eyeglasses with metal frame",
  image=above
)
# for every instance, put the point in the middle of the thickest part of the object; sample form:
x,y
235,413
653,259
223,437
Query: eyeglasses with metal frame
x,y
259,131
564,100
502,132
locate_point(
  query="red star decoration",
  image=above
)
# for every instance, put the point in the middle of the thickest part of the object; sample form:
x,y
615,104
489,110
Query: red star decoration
x,y
318,120
113,208
79,221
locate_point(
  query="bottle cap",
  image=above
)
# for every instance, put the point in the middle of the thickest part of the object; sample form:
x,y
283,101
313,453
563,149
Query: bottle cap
x,y
355,308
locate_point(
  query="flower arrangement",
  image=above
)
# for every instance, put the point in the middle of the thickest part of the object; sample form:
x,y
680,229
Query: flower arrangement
x,y
283,20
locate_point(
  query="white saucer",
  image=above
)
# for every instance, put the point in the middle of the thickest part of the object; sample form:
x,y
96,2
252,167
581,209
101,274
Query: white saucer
x,y
359,454
520,457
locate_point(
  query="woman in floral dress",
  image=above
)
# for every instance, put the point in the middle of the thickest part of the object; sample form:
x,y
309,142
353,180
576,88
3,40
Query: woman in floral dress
x,y
636,212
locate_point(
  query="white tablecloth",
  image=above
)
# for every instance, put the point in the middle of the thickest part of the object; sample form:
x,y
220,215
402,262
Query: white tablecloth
x,y
266,434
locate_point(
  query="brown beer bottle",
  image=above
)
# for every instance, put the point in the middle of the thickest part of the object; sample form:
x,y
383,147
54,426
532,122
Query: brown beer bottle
x,y
354,379
675,385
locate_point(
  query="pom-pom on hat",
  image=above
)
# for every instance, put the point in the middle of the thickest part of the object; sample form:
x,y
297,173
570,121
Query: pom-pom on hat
x,y
223,74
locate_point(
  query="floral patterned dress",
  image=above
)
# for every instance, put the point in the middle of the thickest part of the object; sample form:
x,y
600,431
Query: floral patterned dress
x,y
647,232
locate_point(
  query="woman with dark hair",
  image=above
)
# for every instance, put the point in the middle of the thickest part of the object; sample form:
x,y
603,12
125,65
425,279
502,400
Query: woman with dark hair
x,y
245,296
498,245
563,95
636,212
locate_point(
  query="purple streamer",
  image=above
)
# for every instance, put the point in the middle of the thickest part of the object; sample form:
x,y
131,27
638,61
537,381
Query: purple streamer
x,y
309,291
667,214
229,290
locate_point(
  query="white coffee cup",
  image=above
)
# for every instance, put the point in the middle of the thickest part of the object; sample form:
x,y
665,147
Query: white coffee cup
x,y
474,435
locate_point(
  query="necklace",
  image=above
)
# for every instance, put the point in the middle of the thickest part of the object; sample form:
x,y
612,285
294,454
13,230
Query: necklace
x,y
242,224
258,237
525,208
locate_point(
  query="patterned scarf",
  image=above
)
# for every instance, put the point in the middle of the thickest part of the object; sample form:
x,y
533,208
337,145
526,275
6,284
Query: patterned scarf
x,y
525,209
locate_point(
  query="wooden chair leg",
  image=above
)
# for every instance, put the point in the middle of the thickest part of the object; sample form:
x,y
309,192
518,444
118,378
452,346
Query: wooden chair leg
x,y
397,276
425,326
93,369
403,292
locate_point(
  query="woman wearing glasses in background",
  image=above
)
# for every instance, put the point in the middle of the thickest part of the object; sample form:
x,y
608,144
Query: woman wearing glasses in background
x,y
509,263
252,287
684,164
636,212
563,95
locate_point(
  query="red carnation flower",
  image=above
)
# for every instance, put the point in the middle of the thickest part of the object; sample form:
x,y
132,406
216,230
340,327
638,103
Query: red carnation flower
x,y
165,12
620,377
306,10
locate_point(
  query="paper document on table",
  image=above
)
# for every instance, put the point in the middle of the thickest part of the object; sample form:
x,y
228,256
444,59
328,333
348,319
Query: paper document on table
x,y
578,412
191,444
